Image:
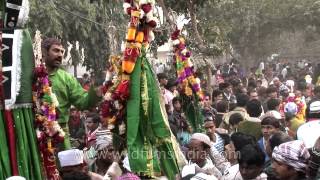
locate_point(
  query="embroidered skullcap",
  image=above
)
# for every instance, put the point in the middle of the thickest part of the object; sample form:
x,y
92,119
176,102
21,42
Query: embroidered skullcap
x,y
70,157
201,137
292,153
315,107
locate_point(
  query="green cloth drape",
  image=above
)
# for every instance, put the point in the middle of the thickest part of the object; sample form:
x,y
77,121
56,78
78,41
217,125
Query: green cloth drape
x,y
27,67
5,168
27,149
148,137
193,112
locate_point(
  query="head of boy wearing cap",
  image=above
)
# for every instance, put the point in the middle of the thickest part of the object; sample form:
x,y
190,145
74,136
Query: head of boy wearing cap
x,y
199,147
72,160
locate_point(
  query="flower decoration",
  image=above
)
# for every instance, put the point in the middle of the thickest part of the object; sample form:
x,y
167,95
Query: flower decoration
x,y
116,92
49,133
139,32
185,71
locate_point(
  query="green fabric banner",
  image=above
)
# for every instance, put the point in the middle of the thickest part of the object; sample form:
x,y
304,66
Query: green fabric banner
x,y
148,137
5,169
193,113
27,149
27,66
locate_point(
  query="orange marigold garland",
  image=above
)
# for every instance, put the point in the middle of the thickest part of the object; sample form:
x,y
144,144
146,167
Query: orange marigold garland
x,y
139,32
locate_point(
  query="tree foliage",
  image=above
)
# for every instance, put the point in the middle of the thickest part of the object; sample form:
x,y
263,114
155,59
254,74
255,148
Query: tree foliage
x,y
254,28
89,22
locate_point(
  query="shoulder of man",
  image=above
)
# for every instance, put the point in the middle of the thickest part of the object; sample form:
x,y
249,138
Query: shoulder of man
x,y
64,72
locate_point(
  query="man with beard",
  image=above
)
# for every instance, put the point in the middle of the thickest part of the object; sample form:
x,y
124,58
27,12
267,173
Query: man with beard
x,y
66,87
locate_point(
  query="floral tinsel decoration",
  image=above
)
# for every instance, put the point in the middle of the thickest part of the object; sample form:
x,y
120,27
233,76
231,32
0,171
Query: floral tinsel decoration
x,y
184,66
140,30
49,133
140,33
115,90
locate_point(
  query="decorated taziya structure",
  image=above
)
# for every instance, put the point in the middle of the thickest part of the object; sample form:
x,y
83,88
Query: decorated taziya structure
x,y
18,145
191,93
133,107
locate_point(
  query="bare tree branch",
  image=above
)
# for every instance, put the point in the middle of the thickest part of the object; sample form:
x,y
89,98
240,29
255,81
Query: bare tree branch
x,y
166,13
200,44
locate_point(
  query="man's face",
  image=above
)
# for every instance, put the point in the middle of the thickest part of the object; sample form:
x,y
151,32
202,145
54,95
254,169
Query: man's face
x,y
298,93
273,95
230,151
254,95
228,89
207,101
249,171
163,82
259,84
177,106
268,130
282,170
53,57
196,152
276,82
210,128
90,124
218,98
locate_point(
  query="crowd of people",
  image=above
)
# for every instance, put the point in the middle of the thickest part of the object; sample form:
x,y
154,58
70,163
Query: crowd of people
x,y
260,126
257,125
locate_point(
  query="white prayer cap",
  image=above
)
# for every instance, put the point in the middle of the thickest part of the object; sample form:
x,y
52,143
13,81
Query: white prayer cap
x,y
290,83
70,157
16,178
272,113
201,137
203,176
315,107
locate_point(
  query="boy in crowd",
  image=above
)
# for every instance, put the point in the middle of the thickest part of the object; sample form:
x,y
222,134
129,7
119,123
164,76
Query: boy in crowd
x,y
178,123
269,126
92,124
